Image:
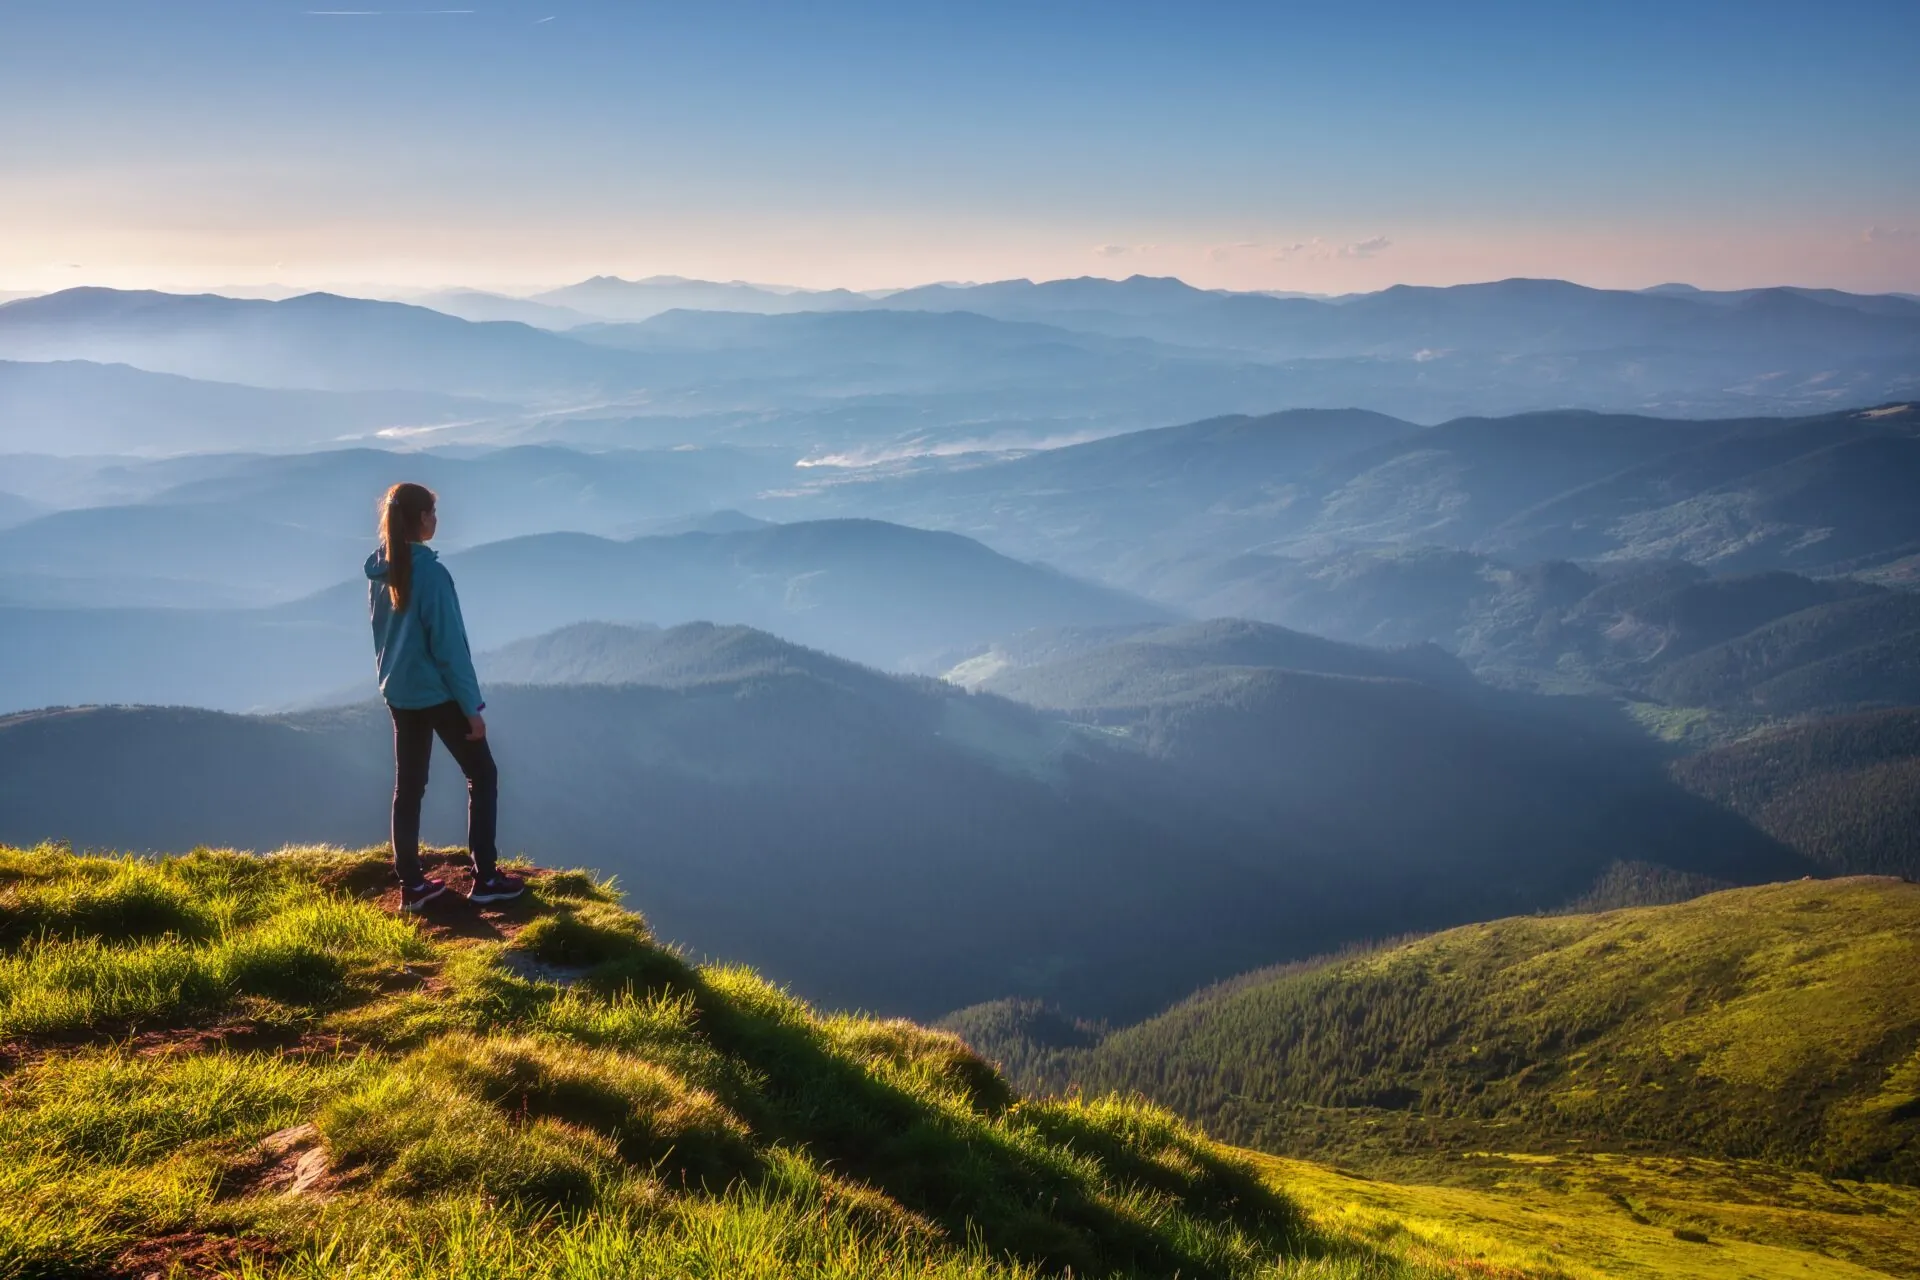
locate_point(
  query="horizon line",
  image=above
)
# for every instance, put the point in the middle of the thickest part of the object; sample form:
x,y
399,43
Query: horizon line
x,y
391,292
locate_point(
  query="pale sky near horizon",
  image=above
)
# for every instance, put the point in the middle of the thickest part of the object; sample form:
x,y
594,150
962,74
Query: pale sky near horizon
x,y
209,143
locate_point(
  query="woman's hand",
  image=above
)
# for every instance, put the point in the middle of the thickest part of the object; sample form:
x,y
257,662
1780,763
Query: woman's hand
x,y
476,728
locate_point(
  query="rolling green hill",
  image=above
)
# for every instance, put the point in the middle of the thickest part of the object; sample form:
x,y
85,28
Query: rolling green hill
x,y
1778,1023
244,1067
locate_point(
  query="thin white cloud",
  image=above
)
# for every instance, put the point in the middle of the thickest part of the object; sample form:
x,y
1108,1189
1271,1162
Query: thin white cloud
x,y
1877,234
1112,250
541,22
1365,248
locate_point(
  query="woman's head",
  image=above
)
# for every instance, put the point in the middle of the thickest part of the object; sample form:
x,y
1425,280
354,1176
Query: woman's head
x,y
407,516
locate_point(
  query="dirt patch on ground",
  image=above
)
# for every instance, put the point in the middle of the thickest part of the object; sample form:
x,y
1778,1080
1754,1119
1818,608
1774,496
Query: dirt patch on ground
x,y
166,1041
187,1253
241,1037
161,1042
450,917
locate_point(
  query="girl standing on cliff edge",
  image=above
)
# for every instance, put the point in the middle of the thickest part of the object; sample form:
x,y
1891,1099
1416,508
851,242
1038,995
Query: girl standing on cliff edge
x,y
427,678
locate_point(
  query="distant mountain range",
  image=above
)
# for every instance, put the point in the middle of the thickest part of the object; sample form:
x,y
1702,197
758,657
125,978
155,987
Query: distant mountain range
x,y
926,367
611,298
163,532
779,804
1521,317
81,407
1677,561
316,341
482,307
895,597
1168,511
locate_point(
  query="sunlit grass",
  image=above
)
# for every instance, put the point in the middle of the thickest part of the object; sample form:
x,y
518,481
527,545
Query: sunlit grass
x,y
576,1100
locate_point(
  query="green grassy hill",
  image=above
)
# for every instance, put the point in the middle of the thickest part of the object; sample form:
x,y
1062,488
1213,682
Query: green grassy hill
x,y
250,1066
1779,1023
224,1065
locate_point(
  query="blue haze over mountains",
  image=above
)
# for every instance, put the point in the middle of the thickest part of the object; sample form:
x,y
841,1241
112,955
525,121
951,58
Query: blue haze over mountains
x,y
877,602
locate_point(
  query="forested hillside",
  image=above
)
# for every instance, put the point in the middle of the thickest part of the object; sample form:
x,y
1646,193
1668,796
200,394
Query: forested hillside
x,y
1843,791
1780,1023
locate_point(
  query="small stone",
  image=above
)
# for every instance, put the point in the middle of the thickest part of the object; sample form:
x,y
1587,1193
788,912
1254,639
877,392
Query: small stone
x,y
275,1145
312,1168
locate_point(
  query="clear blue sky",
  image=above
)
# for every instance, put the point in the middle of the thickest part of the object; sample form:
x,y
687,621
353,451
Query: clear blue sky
x,y
1255,145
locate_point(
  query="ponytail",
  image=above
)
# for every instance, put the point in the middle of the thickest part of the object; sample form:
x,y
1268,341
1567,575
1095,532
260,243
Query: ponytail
x,y
400,518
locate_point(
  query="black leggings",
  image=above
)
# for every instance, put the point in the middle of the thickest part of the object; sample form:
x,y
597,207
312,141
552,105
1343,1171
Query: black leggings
x,y
413,733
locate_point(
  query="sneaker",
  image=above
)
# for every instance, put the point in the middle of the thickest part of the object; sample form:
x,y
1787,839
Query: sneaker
x,y
498,887
415,897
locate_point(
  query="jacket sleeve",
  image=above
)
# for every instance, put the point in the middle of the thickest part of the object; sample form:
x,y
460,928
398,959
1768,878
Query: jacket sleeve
x,y
446,635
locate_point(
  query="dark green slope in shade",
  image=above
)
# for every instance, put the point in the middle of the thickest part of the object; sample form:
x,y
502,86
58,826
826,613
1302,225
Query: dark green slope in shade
x,y
1402,754
775,818
1780,1023
1858,651
1843,791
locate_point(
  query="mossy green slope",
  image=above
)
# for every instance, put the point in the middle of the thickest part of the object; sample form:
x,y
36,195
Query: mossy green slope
x,y
1779,1023
224,1064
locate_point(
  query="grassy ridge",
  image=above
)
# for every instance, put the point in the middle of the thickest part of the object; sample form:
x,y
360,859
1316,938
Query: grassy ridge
x,y
229,1065
1778,1023
1605,1217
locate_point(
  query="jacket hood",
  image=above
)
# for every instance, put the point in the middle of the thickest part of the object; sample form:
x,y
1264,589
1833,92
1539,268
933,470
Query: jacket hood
x,y
377,562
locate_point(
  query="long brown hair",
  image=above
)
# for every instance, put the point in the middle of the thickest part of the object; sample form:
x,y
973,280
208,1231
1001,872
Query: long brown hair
x,y
400,516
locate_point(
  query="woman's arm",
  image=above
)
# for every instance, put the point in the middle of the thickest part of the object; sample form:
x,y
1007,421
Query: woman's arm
x,y
446,634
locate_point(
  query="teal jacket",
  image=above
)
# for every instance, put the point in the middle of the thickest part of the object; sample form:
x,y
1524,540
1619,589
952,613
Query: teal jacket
x,y
422,653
